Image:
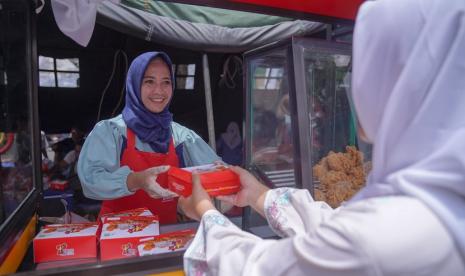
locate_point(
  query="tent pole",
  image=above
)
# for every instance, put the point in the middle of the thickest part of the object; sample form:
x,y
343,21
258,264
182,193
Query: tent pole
x,y
208,102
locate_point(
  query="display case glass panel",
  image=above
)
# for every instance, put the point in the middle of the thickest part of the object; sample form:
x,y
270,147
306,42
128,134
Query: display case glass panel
x,y
19,132
16,170
271,150
301,126
339,167
331,123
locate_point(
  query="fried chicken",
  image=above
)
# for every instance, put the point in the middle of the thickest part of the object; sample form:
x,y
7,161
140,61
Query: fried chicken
x,y
340,176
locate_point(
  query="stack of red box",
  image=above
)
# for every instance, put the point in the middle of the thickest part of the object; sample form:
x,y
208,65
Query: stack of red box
x,y
120,235
216,179
168,242
65,241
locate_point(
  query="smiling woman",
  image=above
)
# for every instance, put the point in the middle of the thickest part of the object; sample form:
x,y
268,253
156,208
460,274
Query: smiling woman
x,y
156,88
124,159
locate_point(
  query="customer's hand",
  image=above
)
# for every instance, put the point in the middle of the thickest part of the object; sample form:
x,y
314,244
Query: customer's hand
x,y
147,181
252,192
198,203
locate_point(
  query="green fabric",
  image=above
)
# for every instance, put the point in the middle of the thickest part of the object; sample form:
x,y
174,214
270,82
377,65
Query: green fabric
x,y
207,15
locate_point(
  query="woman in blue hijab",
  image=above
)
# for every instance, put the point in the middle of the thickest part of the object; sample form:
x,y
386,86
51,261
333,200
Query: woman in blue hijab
x,y
124,159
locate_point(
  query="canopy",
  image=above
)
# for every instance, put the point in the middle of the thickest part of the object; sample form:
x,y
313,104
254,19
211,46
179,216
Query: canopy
x,y
180,25
207,15
206,29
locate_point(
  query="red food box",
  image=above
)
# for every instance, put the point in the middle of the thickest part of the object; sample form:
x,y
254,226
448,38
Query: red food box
x,y
120,235
57,242
165,243
59,185
216,179
143,212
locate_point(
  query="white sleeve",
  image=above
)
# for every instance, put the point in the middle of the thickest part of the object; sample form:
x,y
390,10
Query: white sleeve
x,y
221,248
293,211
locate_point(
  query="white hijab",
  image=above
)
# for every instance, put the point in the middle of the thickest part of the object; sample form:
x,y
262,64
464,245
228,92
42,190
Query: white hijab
x,y
409,92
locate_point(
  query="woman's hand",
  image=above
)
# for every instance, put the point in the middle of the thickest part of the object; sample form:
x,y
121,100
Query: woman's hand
x,y
252,193
198,203
147,181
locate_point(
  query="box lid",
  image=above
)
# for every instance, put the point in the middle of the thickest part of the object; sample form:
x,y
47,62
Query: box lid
x,y
144,212
67,230
129,227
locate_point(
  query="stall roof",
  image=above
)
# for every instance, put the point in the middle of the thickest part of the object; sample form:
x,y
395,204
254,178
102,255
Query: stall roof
x,y
206,15
208,37
179,25
329,11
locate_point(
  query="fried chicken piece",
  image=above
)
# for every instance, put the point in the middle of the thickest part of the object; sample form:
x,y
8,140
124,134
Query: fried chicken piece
x,y
338,193
332,177
357,177
319,170
336,161
354,155
319,195
341,175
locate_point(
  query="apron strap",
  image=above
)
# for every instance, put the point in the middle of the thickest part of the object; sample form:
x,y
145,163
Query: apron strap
x,y
131,139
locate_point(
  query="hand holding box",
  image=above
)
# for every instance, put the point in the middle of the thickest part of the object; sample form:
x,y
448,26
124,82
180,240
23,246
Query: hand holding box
x,y
216,180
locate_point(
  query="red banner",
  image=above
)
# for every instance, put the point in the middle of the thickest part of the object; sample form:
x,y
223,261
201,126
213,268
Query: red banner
x,y
346,9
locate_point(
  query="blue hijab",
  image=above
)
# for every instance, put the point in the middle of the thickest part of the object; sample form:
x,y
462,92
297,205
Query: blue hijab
x,y
151,128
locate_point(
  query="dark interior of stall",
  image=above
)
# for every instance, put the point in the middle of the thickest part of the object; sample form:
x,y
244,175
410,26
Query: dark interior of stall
x,y
89,87
98,89
62,108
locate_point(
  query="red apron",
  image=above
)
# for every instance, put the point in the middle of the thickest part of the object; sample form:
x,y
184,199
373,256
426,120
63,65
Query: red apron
x,y
137,161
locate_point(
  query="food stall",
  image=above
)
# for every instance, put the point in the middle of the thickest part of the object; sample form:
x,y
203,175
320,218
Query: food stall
x,y
296,110
300,128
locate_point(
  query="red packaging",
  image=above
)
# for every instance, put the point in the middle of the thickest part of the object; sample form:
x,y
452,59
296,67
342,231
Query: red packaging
x,y
216,179
165,243
120,235
143,212
65,242
59,185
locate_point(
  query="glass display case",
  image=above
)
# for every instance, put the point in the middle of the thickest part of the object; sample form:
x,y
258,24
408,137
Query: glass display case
x,y
270,132
19,134
300,127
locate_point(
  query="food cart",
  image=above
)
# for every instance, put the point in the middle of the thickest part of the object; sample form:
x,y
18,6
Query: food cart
x,y
296,112
300,129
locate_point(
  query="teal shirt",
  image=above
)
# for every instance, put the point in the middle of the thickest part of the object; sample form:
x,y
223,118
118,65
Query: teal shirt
x,y
99,169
